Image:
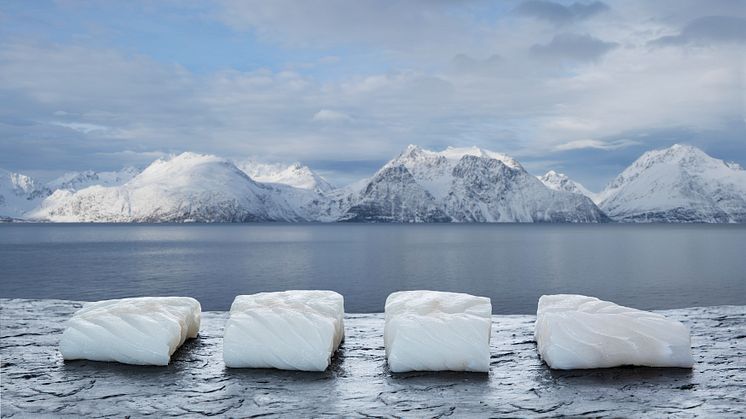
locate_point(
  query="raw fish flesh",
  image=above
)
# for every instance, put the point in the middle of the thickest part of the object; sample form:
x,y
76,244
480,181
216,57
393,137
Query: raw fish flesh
x,y
437,331
290,330
141,331
575,331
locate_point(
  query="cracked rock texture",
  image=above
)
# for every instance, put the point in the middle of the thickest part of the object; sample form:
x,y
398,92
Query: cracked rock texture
x,y
34,379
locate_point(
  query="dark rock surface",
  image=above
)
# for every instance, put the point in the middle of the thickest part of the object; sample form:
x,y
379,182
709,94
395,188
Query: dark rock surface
x,y
35,380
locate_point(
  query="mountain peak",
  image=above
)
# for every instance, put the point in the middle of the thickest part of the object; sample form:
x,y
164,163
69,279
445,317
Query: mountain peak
x,y
454,154
296,175
465,151
553,175
183,163
411,151
459,152
676,152
190,155
561,182
411,147
684,147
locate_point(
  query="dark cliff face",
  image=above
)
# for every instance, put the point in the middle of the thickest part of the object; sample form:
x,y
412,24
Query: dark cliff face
x,y
482,189
489,190
393,195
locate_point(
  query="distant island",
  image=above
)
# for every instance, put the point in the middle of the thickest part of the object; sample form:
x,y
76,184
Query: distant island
x,y
679,184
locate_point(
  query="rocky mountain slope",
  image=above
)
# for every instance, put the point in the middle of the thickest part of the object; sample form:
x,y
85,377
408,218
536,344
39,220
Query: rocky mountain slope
x,y
463,185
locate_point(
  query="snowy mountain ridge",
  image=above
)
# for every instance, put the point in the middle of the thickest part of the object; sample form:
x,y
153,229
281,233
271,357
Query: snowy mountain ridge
x,y
74,181
677,184
295,175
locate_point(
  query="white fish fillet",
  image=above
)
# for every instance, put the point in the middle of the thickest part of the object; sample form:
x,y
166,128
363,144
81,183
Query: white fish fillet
x,y
141,331
290,330
575,331
437,331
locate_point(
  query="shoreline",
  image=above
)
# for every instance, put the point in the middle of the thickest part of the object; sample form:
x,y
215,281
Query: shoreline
x,y
35,380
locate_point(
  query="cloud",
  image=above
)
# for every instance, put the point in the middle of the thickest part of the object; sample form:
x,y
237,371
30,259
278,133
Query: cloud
x,y
150,106
595,144
80,126
431,73
558,13
465,64
425,25
708,30
573,47
328,115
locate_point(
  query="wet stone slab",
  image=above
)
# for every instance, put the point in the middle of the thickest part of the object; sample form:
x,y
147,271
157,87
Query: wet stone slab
x,y
35,380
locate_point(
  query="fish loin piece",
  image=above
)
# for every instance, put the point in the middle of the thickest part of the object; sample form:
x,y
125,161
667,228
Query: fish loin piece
x,y
140,331
577,332
289,330
437,331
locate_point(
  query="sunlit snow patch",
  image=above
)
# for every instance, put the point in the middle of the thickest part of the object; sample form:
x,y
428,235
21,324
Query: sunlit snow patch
x,y
141,331
290,330
575,331
437,331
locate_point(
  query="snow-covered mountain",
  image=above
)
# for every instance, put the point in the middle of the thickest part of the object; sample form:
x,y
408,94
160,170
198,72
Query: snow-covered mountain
x,y
74,181
677,184
295,175
463,185
188,187
19,193
561,182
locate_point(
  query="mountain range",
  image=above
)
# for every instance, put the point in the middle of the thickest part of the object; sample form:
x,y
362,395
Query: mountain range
x,y
677,184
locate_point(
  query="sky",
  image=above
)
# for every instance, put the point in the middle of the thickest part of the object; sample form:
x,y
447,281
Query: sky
x,y
583,88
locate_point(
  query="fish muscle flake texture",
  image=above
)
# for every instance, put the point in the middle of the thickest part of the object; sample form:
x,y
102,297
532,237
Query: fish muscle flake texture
x,y
290,330
575,331
140,331
437,331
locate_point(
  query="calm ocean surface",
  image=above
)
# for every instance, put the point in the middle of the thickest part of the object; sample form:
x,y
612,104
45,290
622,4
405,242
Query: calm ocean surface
x,y
644,266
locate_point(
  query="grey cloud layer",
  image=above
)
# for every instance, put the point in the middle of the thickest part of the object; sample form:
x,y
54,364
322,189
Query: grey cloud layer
x,y
452,77
573,46
708,30
559,13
